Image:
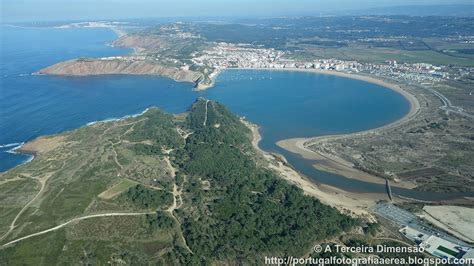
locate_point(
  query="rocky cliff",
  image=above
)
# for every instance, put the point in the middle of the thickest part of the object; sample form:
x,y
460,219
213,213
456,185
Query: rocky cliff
x,y
85,67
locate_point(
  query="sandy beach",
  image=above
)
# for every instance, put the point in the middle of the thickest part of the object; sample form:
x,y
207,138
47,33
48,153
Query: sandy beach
x,y
42,145
414,104
337,165
355,204
120,32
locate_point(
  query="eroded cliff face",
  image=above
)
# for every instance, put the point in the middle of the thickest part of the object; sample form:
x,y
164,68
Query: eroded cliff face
x,y
86,67
136,64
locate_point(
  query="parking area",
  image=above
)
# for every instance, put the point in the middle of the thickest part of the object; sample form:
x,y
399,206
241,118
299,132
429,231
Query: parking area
x,y
404,218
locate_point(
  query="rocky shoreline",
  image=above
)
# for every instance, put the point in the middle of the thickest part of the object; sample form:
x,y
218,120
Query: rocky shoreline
x,y
90,67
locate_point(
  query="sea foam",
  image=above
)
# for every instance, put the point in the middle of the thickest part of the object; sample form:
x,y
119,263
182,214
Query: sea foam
x,y
11,145
15,147
117,119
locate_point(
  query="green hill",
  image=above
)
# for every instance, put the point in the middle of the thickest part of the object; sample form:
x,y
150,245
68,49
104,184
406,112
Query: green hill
x,y
157,188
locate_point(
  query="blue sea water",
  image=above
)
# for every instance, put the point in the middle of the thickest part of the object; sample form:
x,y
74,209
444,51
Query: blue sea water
x,y
284,104
35,105
300,104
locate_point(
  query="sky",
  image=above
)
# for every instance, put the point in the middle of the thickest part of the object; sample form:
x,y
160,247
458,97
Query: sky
x,y
54,10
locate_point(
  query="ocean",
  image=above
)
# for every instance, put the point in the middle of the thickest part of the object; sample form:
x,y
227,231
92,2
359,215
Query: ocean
x,y
284,104
36,105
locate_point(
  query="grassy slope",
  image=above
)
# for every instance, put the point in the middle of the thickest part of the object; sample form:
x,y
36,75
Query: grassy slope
x,y
229,207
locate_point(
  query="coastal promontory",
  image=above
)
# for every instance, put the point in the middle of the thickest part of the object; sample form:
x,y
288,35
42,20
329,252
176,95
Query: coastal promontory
x,y
155,53
157,188
86,67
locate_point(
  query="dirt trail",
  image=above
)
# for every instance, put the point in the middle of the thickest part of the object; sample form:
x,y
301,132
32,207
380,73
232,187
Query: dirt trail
x,y
116,157
133,124
10,180
174,204
205,115
74,220
177,197
42,182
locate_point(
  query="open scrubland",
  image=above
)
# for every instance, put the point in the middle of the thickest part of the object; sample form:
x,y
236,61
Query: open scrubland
x,y
156,188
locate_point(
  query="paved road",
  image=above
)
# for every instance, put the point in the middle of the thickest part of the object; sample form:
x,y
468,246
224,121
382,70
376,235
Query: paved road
x,y
448,106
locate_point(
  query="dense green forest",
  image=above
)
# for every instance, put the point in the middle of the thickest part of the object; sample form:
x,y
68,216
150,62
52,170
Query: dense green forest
x,y
202,193
143,197
249,211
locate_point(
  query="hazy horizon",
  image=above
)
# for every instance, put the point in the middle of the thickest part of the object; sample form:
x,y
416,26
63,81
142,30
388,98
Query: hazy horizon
x,y
59,10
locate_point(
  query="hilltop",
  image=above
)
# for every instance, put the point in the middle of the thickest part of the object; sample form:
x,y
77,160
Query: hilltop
x,y
155,53
156,188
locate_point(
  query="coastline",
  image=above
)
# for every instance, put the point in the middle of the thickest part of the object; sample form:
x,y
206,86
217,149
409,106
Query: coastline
x,y
354,204
118,31
337,165
41,145
414,104
333,164
357,203
325,162
35,147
